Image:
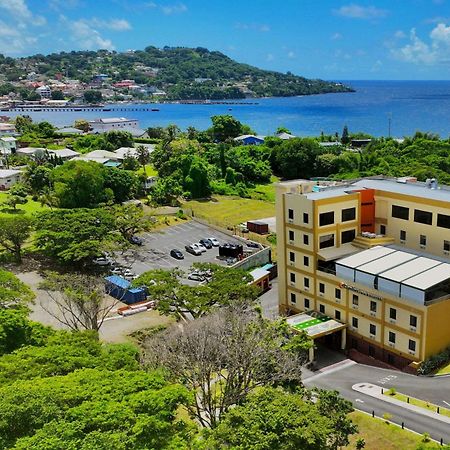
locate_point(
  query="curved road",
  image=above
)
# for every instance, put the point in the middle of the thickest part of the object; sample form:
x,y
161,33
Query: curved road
x,y
436,390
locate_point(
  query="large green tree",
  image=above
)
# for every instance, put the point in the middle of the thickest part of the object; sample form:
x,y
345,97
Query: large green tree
x,y
76,235
15,230
273,419
226,287
17,195
225,127
13,292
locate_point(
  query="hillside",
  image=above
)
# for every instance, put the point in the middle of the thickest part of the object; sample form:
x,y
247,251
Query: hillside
x,y
183,73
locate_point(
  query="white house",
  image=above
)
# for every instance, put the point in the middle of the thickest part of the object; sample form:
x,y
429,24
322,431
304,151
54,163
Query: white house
x,y
44,92
8,145
8,178
102,157
285,136
7,129
112,123
122,152
30,151
65,153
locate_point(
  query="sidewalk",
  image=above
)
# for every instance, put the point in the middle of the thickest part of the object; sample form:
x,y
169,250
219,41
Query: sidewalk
x,y
373,390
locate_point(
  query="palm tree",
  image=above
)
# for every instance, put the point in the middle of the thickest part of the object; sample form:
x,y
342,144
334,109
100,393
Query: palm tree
x,y
143,156
48,197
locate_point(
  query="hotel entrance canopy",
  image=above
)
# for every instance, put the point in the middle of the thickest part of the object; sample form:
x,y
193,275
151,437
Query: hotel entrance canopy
x,y
315,325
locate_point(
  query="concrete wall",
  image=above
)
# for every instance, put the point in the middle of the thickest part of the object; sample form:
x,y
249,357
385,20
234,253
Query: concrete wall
x,y
256,260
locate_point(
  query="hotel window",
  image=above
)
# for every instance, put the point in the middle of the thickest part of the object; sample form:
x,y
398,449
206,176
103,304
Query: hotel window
x,y
423,217
291,256
391,337
326,218
446,246
337,293
383,229
402,235
443,221
326,241
322,309
290,214
307,303
293,298
291,235
392,313
423,239
348,236
305,218
413,321
292,277
372,329
355,300
412,345
306,282
322,288
306,261
400,212
373,306
354,322
305,239
337,315
348,214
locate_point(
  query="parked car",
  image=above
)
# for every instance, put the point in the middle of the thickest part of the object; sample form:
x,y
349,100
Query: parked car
x,y
136,240
193,250
102,261
206,243
214,241
116,271
242,227
230,261
253,245
199,246
176,254
195,277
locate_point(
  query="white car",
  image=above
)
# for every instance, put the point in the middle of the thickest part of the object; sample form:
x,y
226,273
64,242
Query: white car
x,y
214,241
102,261
199,246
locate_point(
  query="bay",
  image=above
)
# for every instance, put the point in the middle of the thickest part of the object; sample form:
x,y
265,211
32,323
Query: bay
x,y
408,105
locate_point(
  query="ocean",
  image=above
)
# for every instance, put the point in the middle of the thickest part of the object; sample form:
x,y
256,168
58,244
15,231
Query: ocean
x,y
407,105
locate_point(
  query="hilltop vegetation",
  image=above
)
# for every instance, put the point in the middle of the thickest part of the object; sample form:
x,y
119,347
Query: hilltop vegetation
x,y
183,73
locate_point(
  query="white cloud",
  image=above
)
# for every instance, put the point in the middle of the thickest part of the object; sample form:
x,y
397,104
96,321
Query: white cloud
x,y
377,66
86,36
269,57
291,55
436,51
112,24
264,28
336,36
18,10
176,8
354,11
7,31
399,34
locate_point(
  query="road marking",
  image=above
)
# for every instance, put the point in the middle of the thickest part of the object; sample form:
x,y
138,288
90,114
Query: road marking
x,y
448,404
387,379
358,400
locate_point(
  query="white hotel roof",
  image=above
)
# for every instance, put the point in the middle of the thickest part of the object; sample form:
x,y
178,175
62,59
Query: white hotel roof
x,y
409,268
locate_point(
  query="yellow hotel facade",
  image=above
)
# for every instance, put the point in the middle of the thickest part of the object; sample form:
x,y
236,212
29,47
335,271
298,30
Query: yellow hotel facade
x,y
374,255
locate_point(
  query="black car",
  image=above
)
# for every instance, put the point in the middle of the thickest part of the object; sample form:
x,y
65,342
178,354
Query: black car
x,y
206,243
176,254
136,240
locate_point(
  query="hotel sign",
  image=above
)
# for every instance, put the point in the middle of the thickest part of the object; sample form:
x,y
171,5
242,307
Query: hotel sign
x,y
360,291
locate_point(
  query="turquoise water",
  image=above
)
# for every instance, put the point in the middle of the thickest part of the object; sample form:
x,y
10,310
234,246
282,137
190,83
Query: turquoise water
x,y
411,105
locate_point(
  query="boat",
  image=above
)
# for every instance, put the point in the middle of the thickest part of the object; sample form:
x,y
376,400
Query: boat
x,y
155,109
106,109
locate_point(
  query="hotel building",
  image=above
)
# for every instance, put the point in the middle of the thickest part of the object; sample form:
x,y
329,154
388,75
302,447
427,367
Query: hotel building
x,y
372,257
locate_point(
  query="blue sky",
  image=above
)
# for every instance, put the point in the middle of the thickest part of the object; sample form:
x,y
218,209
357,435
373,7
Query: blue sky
x,y
345,40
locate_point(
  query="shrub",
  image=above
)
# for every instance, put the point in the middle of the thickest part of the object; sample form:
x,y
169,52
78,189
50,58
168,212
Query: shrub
x,y
434,362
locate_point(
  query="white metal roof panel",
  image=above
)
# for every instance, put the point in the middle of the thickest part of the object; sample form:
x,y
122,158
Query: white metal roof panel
x,y
430,277
410,269
387,262
365,256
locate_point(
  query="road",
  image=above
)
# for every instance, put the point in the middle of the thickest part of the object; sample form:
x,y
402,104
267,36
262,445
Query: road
x,y
435,390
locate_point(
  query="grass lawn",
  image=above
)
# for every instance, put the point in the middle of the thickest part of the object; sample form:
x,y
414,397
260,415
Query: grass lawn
x,y
379,435
420,403
28,208
151,171
229,211
444,370
265,192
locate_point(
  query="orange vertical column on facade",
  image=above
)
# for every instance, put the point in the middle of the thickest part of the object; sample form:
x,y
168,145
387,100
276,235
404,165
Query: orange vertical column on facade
x,y
367,197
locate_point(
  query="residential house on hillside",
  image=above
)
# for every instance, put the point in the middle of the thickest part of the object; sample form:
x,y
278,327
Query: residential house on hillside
x,y
8,178
285,136
30,151
112,123
8,145
109,159
249,139
7,129
65,153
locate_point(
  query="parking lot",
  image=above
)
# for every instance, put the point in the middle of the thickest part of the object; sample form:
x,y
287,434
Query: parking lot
x,y
155,252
